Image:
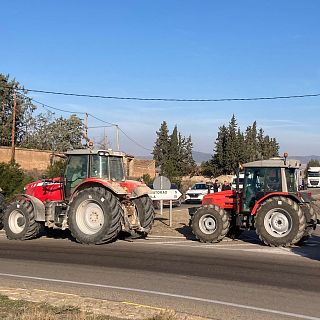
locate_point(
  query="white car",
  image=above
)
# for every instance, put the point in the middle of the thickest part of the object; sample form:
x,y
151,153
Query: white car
x,y
197,192
234,182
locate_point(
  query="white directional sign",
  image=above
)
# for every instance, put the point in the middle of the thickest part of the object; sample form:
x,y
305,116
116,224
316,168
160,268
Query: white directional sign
x,y
172,194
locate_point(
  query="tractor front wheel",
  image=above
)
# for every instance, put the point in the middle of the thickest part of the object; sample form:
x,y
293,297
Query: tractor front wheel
x,y
280,222
210,223
94,216
19,221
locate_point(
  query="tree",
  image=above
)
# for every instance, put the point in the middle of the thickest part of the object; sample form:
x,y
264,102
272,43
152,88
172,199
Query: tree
x,y
173,153
161,147
58,135
13,179
24,109
232,147
251,143
220,160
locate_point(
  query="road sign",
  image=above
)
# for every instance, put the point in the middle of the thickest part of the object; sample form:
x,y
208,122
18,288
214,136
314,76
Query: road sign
x,y
172,194
161,183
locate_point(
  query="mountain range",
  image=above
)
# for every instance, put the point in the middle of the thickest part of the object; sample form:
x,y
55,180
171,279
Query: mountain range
x,y
202,156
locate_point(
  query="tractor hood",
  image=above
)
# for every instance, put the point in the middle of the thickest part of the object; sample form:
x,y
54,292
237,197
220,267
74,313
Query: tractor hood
x,y
224,199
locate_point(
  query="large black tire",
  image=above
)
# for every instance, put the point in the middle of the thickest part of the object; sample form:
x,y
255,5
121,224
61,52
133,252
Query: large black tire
x,y
19,221
280,222
145,211
311,219
94,216
210,223
2,207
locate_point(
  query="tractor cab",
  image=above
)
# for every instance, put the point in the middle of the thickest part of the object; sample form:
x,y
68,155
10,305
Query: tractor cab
x,y
276,175
95,164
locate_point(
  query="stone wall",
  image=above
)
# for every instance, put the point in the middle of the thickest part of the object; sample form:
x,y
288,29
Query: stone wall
x,y
29,159
38,160
141,167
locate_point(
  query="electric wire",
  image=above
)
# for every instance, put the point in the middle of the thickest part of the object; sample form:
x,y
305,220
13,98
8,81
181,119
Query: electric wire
x,y
172,99
109,124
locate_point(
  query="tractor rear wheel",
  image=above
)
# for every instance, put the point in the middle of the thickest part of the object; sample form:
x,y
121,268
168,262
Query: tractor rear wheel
x,y
145,212
210,223
280,222
94,216
19,221
311,219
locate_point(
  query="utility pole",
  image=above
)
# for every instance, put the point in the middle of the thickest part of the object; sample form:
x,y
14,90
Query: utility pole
x,y
105,138
117,137
13,133
86,128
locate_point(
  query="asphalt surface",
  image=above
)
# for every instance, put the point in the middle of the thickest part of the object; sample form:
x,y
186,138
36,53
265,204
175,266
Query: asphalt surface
x,y
231,280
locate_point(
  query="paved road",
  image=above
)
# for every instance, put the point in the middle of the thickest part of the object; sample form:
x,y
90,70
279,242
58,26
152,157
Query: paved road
x,y
230,280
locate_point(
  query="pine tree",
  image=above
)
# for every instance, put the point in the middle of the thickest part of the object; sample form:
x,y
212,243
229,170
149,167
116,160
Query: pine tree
x,y
161,147
231,149
220,161
251,145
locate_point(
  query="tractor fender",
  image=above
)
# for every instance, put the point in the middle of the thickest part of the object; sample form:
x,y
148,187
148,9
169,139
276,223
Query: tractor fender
x,y
273,194
140,191
90,183
38,206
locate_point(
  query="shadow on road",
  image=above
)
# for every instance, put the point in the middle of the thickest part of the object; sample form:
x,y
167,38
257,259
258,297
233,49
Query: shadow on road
x,y
186,231
309,249
57,234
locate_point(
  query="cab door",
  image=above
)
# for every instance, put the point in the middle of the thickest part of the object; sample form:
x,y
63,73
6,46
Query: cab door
x,y
76,172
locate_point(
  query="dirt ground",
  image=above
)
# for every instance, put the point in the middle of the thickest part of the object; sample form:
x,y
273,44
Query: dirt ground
x,y
180,223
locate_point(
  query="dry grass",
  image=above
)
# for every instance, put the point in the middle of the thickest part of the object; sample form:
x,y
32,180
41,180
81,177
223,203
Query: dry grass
x,y
25,310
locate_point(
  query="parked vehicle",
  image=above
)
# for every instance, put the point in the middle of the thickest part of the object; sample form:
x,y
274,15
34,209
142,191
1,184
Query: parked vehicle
x,y
197,192
270,203
166,203
313,179
93,200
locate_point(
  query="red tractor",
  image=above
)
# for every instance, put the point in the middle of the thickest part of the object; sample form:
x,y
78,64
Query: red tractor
x,y
270,203
93,200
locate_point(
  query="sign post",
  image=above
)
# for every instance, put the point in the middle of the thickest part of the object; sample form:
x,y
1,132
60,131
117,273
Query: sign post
x,y
172,194
161,183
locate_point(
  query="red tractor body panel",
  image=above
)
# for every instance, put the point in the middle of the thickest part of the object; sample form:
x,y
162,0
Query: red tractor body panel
x,y
224,199
46,191
53,190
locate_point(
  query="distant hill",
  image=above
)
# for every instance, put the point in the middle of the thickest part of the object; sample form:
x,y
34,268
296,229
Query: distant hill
x,y
305,159
199,157
202,156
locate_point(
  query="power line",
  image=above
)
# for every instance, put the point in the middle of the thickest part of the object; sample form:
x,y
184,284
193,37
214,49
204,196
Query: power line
x,y
171,99
89,114
134,141
95,127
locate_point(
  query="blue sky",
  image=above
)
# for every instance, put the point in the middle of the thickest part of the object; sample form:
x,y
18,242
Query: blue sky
x,y
172,49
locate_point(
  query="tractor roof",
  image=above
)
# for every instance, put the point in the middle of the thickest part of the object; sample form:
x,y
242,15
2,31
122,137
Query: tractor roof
x,y
96,151
274,163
